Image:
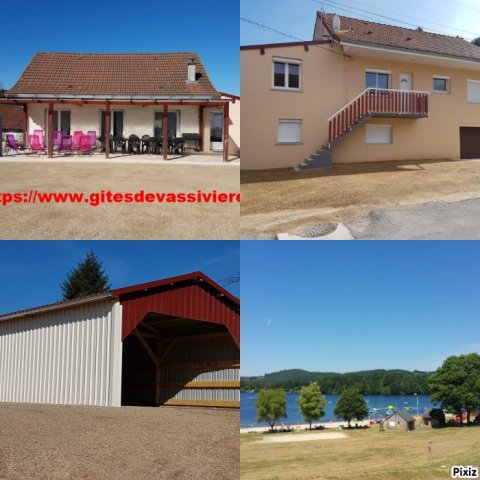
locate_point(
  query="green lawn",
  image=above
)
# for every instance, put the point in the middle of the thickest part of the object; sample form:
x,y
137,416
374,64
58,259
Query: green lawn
x,y
365,454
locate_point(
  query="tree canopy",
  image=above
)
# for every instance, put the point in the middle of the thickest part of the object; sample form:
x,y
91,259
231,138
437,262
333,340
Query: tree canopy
x,y
476,41
271,406
370,382
311,402
456,384
87,278
351,405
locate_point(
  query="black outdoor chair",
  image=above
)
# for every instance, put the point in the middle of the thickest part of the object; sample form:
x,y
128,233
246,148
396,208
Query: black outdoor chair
x,y
177,146
133,144
154,146
119,141
145,140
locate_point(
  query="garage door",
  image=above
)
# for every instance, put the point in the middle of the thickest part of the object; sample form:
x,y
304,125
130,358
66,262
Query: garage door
x,y
469,142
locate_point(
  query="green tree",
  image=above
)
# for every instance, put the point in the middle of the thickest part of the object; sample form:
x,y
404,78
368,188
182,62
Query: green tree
x,y
476,41
350,405
271,405
86,279
311,402
456,384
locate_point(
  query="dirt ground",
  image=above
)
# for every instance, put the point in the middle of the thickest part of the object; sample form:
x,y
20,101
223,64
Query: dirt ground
x,y
276,201
102,443
118,221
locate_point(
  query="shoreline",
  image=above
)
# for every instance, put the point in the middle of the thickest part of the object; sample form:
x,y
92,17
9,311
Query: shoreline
x,y
302,426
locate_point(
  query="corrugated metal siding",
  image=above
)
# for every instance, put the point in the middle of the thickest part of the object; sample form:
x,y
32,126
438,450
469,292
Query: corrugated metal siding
x,y
206,350
196,301
68,356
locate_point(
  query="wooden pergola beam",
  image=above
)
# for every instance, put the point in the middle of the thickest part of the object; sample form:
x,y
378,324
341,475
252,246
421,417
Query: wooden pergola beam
x,y
25,125
201,127
165,131
226,130
107,129
50,130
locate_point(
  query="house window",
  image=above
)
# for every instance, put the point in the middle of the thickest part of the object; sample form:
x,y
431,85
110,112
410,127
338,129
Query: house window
x,y
441,84
378,134
286,74
375,79
473,91
289,131
64,125
158,124
116,123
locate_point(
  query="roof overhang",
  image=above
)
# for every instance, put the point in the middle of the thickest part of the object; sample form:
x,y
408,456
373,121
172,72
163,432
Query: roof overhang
x,y
58,306
357,49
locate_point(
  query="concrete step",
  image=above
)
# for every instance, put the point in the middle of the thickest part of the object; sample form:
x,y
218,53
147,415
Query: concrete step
x,y
319,159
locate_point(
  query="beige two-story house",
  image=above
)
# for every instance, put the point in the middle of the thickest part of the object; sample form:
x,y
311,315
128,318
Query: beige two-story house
x,y
359,92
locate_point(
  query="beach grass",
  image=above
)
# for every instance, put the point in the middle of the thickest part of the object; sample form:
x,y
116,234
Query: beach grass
x,y
364,454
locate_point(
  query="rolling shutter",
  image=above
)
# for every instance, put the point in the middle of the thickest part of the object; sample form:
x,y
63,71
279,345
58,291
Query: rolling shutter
x,y
473,91
289,131
378,134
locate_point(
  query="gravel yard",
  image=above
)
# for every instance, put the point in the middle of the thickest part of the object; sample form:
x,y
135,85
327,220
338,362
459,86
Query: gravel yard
x,y
118,220
276,201
103,443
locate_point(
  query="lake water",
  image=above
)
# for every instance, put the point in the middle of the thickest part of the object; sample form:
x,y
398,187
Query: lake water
x,y
381,402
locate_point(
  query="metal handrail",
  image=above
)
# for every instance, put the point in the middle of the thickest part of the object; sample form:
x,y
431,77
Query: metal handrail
x,y
367,90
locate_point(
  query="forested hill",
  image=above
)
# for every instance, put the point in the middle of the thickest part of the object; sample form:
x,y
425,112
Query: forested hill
x,y
369,382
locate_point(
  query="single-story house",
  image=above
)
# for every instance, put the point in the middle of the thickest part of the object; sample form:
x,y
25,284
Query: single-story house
x,y
359,91
400,420
157,94
174,341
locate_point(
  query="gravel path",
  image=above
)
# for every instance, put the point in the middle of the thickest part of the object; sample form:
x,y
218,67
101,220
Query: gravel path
x,y
118,220
428,221
102,443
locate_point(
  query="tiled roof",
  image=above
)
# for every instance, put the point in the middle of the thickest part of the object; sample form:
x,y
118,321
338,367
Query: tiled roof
x,y
12,117
364,31
113,74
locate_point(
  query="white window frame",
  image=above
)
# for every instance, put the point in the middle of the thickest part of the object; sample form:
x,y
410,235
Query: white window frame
x,y
389,127
441,77
285,120
477,82
286,61
385,72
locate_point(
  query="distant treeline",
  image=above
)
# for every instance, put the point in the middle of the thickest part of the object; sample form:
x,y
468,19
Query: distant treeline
x,y
369,382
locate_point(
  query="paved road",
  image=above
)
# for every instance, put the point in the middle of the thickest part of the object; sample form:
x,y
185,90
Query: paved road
x,y
428,221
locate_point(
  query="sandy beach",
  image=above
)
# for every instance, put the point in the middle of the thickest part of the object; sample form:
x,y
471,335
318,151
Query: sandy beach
x,y
301,426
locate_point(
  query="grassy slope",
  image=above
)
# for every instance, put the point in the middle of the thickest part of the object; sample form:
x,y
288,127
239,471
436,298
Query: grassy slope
x,y
367,455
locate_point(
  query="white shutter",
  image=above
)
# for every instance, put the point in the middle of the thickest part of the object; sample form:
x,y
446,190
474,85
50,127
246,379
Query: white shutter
x,y
289,131
473,91
378,134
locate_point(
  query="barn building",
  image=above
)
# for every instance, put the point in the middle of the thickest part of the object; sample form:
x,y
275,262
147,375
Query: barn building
x,y
174,341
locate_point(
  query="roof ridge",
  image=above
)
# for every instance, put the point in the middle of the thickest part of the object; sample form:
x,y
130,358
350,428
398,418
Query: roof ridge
x,y
119,53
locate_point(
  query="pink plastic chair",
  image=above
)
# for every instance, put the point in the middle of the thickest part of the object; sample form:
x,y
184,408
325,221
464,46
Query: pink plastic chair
x,y
35,144
66,144
41,137
57,139
13,145
85,145
76,139
93,138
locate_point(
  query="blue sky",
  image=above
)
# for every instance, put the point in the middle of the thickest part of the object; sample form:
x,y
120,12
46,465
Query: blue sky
x,y
297,17
349,306
31,271
210,28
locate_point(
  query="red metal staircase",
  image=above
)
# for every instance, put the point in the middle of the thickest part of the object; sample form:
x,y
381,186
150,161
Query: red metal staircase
x,y
374,102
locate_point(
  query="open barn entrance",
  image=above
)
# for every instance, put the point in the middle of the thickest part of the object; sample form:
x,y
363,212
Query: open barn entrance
x,y
169,360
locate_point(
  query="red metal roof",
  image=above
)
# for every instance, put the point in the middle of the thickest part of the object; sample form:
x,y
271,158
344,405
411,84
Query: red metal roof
x,y
194,296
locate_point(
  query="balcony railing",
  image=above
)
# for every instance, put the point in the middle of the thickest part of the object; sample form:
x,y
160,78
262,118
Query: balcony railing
x,y
377,102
